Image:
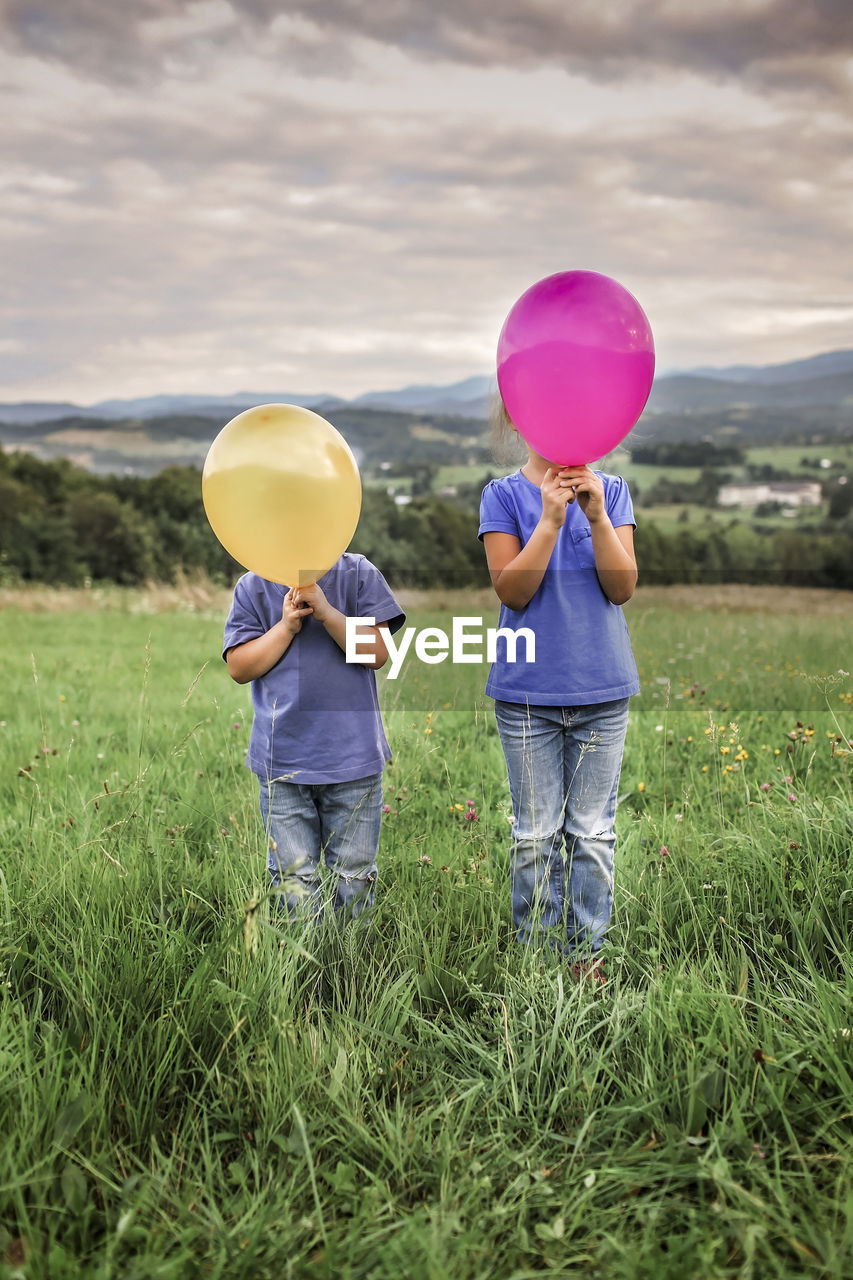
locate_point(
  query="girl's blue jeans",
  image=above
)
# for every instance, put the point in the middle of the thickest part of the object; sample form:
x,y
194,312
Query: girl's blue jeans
x,y
336,823
563,765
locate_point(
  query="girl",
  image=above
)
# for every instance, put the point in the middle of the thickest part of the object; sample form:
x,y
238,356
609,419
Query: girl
x,y
560,548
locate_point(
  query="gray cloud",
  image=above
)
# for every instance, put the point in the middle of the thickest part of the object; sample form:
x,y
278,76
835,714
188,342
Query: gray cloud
x,y
204,195
724,37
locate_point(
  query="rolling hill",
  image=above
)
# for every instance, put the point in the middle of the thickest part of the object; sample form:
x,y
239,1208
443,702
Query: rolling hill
x,y
801,401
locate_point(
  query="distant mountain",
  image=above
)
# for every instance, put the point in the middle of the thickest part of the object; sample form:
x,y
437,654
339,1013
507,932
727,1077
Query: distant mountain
x,y
154,406
822,380
689,392
829,364
207,406
28,411
467,398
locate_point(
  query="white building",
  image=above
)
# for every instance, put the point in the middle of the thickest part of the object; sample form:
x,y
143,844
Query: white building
x,y
788,493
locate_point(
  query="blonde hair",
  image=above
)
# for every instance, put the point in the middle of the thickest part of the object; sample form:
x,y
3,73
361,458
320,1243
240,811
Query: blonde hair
x,y
507,445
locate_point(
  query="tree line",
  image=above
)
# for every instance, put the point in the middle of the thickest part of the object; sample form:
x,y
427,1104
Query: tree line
x,y
62,524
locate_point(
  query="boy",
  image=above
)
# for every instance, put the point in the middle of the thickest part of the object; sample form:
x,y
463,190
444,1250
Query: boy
x,y
317,742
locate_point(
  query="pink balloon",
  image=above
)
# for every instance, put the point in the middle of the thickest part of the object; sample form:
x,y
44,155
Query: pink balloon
x,y
576,361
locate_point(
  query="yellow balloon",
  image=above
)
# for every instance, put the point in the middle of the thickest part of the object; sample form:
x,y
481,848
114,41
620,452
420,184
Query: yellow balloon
x,y
282,492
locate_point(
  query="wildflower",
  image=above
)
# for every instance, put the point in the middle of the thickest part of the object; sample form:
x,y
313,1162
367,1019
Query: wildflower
x,y
641,786
471,815
424,859
791,797
664,852
386,808
765,786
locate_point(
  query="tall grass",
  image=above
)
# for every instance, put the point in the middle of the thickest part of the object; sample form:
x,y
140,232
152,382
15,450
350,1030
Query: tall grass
x,y
189,1088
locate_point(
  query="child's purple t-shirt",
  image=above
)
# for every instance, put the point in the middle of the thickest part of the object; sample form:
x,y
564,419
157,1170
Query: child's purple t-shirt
x,y
317,716
583,651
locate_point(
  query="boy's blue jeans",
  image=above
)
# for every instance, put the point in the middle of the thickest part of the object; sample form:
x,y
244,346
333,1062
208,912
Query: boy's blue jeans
x,y
563,765
335,822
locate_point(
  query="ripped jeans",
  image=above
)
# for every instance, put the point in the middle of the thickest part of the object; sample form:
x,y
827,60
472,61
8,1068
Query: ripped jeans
x,y
309,823
563,765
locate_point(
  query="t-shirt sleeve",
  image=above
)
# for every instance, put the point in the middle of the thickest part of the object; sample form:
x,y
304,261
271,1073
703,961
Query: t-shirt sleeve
x,y
376,600
244,621
618,502
496,511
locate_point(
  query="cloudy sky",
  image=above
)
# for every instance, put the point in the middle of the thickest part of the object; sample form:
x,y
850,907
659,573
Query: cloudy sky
x,y
349,195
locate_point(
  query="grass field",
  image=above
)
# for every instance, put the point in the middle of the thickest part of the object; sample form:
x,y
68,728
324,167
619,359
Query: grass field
x,y
187,1089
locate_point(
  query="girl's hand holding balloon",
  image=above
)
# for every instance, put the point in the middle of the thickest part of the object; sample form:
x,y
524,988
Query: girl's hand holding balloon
x,y
585,486
555,497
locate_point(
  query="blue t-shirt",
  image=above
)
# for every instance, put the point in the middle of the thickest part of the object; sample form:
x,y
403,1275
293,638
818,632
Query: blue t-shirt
x,y
582,648
316,716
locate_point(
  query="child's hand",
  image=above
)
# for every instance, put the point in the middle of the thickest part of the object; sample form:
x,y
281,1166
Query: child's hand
x,y
585,486
312,599
293,611
555,496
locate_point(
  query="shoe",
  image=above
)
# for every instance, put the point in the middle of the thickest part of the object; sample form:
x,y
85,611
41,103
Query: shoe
x,y
589,973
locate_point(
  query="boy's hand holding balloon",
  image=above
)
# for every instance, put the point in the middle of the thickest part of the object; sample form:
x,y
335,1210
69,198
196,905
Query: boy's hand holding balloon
x,y
293,611
311,599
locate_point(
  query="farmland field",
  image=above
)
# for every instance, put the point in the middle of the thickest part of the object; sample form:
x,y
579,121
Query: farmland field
x,y
188,1088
